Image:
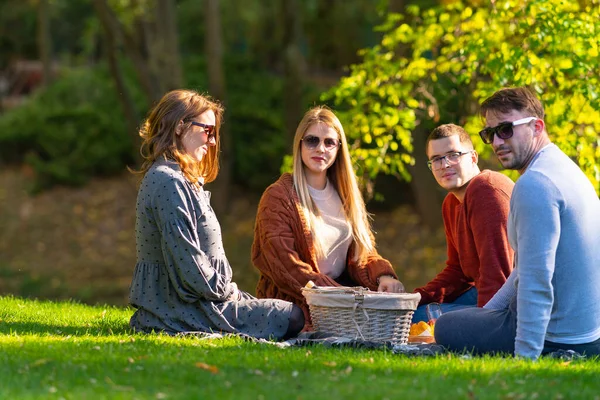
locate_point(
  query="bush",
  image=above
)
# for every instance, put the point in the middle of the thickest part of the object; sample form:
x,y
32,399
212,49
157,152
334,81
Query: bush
x,y
68,132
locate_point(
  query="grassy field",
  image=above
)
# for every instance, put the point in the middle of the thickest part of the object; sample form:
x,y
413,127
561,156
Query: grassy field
x,y
67,350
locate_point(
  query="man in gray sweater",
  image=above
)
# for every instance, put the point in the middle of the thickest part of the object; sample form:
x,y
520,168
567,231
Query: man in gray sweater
x,y
550,301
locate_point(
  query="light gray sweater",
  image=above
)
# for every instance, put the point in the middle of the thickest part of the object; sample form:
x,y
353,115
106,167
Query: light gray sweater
x,y
554,228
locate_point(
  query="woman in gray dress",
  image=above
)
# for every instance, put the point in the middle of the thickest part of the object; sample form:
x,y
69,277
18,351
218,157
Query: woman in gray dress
x,y
182,279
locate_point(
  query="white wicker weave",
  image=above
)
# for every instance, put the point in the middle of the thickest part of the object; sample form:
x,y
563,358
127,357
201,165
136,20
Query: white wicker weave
x,y
358,313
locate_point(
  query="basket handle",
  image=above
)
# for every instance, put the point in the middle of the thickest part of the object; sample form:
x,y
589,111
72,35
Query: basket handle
x,y
358,299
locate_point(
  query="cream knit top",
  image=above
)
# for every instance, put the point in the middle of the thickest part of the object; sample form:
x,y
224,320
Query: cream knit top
x,y
333,230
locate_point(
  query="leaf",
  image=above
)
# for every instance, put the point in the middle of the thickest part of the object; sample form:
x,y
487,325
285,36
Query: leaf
x,y
207,367
41,361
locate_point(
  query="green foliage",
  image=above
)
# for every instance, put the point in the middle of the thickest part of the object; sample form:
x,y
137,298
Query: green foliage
x,y
68,132
72,351
255,121
253,117
436,66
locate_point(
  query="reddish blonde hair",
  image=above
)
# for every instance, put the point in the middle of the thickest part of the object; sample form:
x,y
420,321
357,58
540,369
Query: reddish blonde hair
x,y
160,138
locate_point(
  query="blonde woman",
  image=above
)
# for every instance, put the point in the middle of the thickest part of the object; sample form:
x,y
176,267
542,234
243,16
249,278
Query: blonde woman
x,y
182,279
312,225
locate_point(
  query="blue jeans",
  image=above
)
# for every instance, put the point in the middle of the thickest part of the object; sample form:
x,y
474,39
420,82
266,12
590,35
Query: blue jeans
x,y
483,331
465,300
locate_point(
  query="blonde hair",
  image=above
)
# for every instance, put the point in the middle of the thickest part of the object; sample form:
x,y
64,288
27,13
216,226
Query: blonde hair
x,y
341,175
160,138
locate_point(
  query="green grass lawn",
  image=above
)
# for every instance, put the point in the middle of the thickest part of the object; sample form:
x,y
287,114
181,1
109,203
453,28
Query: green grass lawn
x,y
72,351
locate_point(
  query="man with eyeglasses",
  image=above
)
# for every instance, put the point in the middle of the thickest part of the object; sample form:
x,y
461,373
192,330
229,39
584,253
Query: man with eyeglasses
x,y
551,301
475,212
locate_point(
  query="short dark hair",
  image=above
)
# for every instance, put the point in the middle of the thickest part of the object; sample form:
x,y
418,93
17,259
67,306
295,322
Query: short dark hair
x,y
513,99
447,130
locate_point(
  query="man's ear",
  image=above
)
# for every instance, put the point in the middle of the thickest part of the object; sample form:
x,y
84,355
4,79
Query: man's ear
x,y
475,157
538,127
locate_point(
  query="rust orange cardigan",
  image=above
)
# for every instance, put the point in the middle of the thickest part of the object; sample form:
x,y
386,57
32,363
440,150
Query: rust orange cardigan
x,y
283,250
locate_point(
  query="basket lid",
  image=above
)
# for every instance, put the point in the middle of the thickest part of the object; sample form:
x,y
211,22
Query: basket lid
x,y
347,297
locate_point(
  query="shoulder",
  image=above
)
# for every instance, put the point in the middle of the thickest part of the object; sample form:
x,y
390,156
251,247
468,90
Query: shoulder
x,y
164,173
490,183
535,184
164,183
280,190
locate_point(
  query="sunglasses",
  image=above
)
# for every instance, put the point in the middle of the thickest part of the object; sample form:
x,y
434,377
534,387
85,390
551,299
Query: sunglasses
x,y
208,129
451,158
312,142
503,131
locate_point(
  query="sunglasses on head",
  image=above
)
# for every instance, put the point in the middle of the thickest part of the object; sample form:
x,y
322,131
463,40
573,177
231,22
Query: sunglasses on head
x,y
311,142
208,129
503,131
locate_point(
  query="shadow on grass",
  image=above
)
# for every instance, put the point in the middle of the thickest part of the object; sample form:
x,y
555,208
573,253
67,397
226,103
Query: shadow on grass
x,y
38,328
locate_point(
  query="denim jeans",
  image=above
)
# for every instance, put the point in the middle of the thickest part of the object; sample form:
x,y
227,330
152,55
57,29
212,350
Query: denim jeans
x,y
465,300
483,331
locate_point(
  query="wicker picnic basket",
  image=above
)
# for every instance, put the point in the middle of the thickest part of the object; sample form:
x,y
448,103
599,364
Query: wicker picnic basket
x,y
359,313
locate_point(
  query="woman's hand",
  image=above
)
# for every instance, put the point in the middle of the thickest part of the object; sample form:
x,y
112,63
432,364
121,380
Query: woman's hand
x,y
390,284
235,295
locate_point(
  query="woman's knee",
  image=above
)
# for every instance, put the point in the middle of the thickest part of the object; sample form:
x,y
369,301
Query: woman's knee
x,y
296,322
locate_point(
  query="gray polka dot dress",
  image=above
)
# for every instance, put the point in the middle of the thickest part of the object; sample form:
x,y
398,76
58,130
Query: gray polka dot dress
x,y
182,279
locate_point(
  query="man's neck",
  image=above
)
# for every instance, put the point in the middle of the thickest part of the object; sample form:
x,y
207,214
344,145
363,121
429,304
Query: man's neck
x,y
543,142
460,192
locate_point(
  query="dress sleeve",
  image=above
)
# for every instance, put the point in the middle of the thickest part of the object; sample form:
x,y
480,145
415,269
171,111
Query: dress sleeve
x,y
536,208
194,275
488,208
277,256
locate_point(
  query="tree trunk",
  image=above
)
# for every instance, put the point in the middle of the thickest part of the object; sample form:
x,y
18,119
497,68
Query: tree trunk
x,y
427,193
127,104
396,6
159,35
135,45
294,67
44,40
216,88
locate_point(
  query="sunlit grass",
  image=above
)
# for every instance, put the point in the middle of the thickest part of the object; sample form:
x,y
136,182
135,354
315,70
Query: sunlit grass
x,y
72,351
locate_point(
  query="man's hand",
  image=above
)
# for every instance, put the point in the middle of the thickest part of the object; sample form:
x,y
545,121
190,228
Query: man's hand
x,y
390,284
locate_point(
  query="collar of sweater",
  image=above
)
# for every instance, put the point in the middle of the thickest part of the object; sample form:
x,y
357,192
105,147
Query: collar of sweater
x,y
322,195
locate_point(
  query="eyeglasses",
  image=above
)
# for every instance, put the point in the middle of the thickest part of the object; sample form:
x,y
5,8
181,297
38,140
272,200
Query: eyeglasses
x,y
208,129
450,158
312,142
503,131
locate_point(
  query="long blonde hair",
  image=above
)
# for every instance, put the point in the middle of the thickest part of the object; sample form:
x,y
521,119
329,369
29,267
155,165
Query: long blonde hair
x,y
160,138
341,175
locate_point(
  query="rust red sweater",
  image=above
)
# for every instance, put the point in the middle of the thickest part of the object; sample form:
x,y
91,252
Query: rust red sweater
x,y
478,250
283,250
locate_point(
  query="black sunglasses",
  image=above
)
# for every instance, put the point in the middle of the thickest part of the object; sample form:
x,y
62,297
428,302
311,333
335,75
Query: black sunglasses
x,y
503,131
208,129
311,142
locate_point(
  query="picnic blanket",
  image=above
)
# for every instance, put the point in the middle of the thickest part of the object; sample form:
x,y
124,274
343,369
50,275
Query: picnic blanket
x,y
306,339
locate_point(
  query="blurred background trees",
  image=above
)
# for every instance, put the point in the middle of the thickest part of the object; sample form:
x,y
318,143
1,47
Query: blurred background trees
x,y
78,76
